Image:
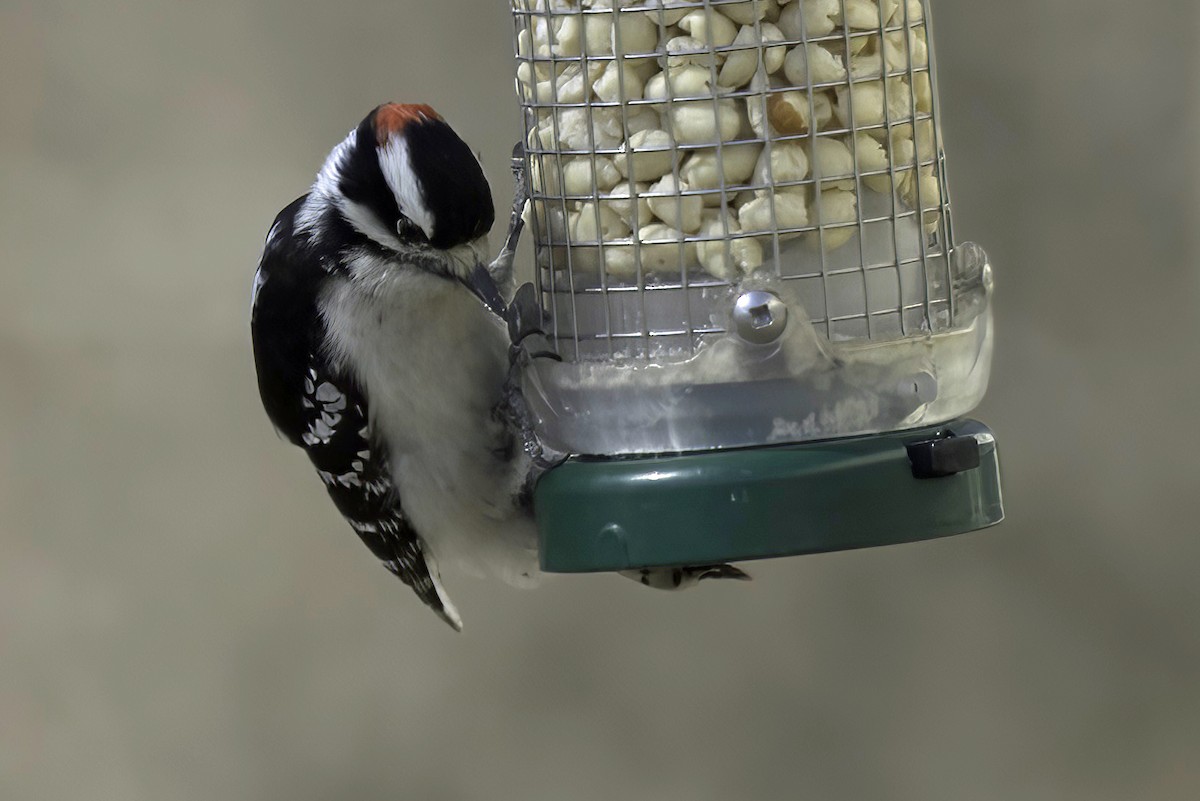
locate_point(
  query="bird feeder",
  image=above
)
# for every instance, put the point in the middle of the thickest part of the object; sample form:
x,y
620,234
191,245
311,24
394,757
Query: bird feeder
x,y
760,337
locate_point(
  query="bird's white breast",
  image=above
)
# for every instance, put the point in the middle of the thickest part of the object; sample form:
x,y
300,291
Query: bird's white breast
x,y
432,362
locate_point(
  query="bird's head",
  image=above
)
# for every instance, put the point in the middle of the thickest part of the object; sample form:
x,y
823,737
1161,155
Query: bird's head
x,y
406,180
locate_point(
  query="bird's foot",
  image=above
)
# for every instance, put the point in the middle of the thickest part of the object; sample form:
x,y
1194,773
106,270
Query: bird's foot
x,y
681,578
501,267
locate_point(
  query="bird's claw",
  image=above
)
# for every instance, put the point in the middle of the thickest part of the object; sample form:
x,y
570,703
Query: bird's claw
x,y
501,267
679,578
721,572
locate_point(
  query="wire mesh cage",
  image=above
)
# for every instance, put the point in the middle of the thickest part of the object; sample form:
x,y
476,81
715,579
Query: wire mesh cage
x,y
727,191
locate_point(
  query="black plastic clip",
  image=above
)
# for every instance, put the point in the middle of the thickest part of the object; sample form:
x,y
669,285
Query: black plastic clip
x,y
946,455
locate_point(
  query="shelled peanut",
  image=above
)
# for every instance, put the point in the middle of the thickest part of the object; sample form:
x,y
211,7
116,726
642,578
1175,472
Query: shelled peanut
x,y
703,132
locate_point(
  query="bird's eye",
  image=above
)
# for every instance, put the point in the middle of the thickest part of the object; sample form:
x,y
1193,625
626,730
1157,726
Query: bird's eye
x,y
409,230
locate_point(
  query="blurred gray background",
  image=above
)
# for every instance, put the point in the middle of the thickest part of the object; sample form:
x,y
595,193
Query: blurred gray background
x,y
183,615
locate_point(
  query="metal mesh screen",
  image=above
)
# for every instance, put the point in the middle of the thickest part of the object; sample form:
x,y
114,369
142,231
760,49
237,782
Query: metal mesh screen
x,y
677,147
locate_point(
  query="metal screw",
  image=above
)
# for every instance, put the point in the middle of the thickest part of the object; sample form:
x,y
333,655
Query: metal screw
x,y
760,317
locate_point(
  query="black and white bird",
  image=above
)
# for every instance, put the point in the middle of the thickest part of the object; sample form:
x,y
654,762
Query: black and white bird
x,y
377,354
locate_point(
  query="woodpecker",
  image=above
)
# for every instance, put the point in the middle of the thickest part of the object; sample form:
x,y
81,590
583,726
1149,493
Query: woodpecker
x,y
379,352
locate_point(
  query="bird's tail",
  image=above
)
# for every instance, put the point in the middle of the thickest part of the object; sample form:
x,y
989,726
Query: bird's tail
x,y
444,607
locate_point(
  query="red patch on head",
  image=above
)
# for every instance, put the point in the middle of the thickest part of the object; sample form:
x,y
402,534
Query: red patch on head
x,y
393,118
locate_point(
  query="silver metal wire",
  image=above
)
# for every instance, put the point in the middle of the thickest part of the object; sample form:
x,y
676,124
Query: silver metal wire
x,y
871,257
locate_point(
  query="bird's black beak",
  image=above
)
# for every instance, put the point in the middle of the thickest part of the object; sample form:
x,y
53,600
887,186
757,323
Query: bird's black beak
x,y
483,286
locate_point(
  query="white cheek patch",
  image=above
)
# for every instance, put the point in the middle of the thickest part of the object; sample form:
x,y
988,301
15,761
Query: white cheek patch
x,y
364,220
398,172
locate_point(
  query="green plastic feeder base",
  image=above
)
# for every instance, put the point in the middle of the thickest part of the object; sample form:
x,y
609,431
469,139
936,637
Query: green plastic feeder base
x,y
728,506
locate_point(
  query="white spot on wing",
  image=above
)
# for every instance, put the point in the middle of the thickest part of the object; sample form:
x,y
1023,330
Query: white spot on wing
x,y
327,393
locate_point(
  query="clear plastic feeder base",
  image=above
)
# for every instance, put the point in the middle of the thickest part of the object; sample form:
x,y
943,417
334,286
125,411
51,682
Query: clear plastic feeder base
x,y
617,514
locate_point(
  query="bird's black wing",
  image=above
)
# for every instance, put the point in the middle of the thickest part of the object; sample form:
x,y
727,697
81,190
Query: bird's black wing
x,y
324,411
